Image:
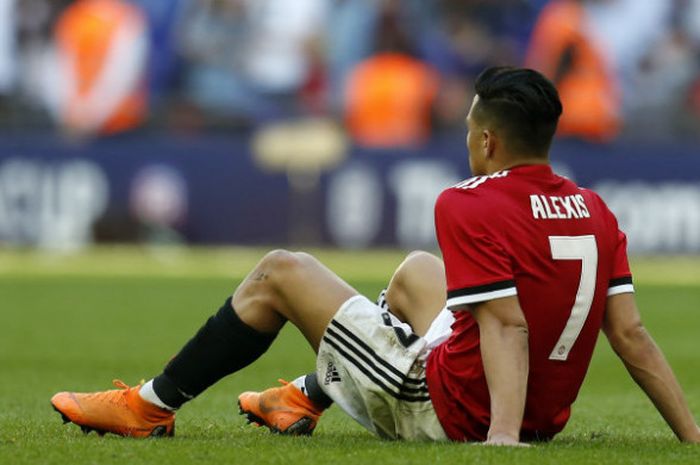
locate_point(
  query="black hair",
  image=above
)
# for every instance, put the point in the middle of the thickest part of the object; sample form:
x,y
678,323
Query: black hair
x,y
522,103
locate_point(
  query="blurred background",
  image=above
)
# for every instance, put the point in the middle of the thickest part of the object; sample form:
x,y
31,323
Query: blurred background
x,y
326,122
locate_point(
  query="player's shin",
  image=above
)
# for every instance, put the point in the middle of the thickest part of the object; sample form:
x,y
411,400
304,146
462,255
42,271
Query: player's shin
x,y
224,345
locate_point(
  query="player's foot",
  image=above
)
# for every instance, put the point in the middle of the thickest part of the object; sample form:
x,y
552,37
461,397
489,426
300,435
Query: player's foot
x,y
120,411
284,410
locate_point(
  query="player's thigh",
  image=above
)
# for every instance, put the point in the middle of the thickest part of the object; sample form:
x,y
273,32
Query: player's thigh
x,y
307,293
417,291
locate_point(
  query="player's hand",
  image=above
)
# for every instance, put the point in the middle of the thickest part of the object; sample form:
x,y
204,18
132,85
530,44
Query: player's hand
x,y
504,440
696,439
692,437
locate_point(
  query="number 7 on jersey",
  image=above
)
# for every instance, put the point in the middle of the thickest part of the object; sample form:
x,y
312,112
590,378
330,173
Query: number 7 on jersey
x,y
582,248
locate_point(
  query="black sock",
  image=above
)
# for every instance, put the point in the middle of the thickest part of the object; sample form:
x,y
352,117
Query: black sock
x,y
224,345
315,393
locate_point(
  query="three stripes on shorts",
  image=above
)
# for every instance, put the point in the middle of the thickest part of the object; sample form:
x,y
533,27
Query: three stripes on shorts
x,y
378,370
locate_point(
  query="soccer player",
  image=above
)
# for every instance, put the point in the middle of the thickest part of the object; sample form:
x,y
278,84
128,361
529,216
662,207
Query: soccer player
x,y
493,346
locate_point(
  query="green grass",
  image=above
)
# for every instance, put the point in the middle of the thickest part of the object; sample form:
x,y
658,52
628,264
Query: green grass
x,y
76,322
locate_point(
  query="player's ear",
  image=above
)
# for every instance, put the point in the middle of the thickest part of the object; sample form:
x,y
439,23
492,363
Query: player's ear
x,y
488,143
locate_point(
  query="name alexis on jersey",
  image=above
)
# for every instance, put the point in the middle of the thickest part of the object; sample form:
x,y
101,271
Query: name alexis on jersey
x,y
553,207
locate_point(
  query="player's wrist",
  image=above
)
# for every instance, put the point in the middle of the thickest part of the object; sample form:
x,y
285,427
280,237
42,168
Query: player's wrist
x,y
503,439
690,435
503,433
693,437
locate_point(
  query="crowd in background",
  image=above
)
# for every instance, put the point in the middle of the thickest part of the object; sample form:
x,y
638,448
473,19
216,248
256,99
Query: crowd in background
x,y
394,72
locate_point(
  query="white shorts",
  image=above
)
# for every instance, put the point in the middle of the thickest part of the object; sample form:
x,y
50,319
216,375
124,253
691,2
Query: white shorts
x,y
373,366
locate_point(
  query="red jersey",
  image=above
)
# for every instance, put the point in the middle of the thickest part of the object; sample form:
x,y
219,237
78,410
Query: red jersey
x,y
531,233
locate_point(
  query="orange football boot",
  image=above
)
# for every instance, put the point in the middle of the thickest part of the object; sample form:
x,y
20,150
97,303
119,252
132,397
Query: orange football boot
x,y
120,411
284,410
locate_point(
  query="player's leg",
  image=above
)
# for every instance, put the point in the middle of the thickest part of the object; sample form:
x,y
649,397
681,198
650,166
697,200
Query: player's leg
x,y
296,287
283,286
371,360
292,286
417,291
416,294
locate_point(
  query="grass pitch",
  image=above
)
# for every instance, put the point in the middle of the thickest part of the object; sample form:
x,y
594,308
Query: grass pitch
x,y
76,322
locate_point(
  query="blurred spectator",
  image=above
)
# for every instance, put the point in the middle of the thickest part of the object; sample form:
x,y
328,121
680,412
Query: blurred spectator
x,y
353,26
563,48
663,79
283,43
628,47
8,60
253,58
163,17
389,96
211,41
462,40
32,20
458,48
98,83
506,23
353,23
692,26
208,64
625,43
34,23
691,19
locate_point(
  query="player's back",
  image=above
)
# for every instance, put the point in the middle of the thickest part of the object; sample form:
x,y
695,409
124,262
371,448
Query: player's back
x,y
529,232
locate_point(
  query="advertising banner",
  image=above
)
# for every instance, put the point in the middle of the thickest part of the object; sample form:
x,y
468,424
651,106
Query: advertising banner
x,y
210,190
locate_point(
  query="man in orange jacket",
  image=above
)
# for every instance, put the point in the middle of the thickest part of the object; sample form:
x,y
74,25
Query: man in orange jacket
x,y
101,52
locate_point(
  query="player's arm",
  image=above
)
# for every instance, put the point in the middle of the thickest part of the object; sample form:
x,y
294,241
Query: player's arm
x,y
647,366
504,350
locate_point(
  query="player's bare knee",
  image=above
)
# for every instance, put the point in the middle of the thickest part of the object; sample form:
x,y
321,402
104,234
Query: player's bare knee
x,y
418,255
280,264
413,267
279,259
421,258
304,258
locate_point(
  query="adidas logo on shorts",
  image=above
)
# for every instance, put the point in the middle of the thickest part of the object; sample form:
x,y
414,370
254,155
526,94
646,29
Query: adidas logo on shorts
x,y
332,375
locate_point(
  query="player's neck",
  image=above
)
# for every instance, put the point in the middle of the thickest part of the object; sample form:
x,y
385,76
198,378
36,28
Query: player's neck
x,y
521,161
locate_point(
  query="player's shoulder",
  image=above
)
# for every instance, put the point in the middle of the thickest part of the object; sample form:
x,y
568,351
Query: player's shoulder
x,y
475,186
471,202
475,194
481,183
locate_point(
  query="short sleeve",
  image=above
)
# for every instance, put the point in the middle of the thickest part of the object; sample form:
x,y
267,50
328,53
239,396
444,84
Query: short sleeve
x,y
476,265
621,281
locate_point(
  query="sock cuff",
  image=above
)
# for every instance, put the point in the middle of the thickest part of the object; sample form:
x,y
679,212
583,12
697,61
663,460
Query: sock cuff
x,y
315,393
165,389
148,394
227,314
